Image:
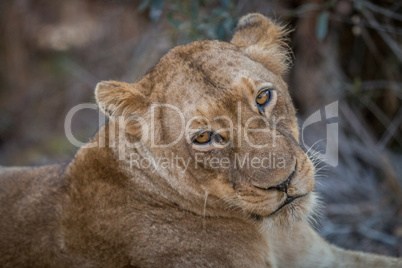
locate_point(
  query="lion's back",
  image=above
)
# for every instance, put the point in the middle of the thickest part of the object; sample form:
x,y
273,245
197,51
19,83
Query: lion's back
x,y
28,212
17,183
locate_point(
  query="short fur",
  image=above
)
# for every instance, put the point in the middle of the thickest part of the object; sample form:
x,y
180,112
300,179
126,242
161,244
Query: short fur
x,y
100,210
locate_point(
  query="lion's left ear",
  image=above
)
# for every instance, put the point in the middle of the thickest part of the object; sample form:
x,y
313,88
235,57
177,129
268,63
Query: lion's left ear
x,y
263,41
120,99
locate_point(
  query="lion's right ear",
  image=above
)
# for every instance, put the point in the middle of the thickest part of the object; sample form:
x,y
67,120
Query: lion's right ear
x,y
263,40
120,99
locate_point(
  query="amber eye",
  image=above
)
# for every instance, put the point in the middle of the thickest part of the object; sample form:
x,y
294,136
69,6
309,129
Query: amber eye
x,y
204,137
263,97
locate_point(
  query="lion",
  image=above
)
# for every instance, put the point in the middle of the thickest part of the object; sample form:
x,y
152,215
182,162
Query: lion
x,y
198,165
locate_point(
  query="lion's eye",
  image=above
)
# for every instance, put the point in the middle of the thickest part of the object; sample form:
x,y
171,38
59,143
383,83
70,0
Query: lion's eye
x,y
204,137
263,97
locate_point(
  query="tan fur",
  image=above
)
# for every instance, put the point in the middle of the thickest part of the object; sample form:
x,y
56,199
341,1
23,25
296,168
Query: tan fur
x,y
100,210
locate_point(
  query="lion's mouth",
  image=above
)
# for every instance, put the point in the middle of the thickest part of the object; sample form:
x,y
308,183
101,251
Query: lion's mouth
x,y
288,201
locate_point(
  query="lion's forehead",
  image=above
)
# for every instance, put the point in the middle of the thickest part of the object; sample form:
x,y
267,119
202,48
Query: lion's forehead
x,y
218,62
208,78
205,66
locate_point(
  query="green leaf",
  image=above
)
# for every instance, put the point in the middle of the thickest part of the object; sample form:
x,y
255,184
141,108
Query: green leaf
x,y
156,9
322,25
220,31
173,21
194,11
144,4
226,3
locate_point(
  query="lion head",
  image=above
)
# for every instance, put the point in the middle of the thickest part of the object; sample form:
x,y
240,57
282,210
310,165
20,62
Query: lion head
x,y
220,118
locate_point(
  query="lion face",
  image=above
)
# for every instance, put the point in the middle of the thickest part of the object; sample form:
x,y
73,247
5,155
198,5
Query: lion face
x,y
223,112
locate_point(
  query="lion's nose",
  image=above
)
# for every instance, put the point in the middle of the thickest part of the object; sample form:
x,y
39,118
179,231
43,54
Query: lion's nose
x,y
290,199
283,186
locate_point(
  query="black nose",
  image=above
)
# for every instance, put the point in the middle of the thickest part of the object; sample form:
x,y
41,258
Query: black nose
x,y
283,187
289,199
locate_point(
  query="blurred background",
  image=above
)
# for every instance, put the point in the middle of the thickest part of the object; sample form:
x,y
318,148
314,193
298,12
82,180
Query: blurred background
x,y
52,54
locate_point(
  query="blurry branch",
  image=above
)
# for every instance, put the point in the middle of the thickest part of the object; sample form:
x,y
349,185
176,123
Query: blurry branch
x,y
377,112
379,9
377,235
391,131
385,121
80,72
366,230
356,123
379,84
387,39
302,10
389,73
350,209
373,85
329,228
370,151
337,229
383,28
378,27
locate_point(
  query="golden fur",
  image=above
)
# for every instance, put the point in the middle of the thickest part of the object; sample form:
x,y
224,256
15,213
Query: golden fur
x,y
105,210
